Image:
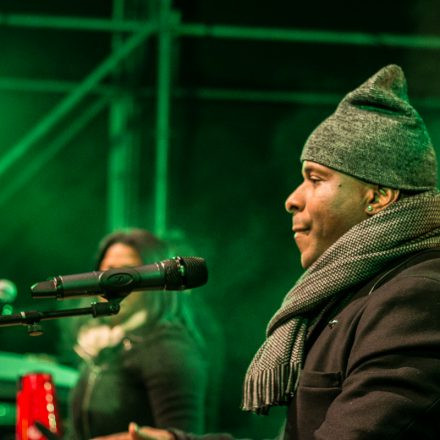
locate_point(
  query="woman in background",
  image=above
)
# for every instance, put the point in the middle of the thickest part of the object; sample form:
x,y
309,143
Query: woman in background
x,y
147,363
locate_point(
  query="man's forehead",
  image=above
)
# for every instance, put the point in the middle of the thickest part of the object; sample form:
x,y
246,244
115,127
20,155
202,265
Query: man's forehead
x,y
309,166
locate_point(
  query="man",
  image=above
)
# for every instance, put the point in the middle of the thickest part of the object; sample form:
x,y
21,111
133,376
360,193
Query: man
x,y
354,350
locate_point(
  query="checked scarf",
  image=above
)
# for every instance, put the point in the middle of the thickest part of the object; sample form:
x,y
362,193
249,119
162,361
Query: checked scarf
x,y
412,224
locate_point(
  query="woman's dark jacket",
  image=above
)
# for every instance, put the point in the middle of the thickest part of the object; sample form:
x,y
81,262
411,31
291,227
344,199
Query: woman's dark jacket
x,y
155,377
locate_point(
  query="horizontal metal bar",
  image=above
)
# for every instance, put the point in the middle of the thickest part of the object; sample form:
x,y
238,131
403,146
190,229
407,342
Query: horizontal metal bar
x,y
48,86
70,23
275,97
283,97
200,30
279,97
309,36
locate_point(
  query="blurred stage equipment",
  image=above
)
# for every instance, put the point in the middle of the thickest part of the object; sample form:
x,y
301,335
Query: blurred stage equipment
x,y
8,293
38,415
19,369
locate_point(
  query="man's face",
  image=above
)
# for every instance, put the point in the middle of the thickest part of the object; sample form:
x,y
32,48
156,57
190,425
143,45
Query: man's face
x,y
325,206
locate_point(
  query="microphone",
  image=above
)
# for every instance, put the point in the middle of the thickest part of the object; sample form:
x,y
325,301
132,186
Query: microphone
x,y
178,273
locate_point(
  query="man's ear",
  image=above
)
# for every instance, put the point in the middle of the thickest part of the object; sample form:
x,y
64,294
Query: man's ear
x,y
381,197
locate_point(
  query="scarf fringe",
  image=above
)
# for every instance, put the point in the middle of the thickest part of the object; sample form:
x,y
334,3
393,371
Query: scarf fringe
x,y
267,388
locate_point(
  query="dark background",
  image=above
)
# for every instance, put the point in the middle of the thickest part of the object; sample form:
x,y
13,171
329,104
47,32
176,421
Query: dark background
x,y
233,159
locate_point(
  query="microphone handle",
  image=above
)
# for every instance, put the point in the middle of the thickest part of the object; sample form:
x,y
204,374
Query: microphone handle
x,y
113,282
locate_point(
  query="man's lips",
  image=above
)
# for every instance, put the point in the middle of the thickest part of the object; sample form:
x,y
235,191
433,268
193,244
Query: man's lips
x,y
300,230
298,226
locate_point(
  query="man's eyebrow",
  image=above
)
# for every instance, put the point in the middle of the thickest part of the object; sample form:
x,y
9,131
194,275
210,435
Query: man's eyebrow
x,y
312,169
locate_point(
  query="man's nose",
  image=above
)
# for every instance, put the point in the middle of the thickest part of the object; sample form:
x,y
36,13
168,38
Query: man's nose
x,y
294,202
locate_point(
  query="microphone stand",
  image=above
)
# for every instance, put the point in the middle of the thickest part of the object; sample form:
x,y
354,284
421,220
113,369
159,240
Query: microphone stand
x,y
31,319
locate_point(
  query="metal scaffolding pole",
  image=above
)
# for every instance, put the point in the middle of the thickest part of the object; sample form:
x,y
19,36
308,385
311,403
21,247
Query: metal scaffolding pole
x,y
122,181
124,131
163,116
69,102
119,196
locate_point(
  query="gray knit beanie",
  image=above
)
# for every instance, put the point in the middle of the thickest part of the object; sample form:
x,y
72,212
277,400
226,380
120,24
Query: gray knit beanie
x,y
377,136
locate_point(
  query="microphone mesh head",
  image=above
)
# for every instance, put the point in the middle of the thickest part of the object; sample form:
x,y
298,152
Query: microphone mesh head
x,y
196,271
185,273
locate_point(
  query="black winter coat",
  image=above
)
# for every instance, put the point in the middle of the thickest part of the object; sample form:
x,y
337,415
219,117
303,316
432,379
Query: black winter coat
x,y
372,370
372,367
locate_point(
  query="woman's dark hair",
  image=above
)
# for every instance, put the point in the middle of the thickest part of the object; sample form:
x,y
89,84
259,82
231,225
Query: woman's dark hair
x,y
164,306
149,247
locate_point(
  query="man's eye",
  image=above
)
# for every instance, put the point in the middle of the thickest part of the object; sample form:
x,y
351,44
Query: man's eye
x,y
314,179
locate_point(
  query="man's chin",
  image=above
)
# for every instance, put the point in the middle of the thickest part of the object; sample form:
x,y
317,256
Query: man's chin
x,y
304,263
307,259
